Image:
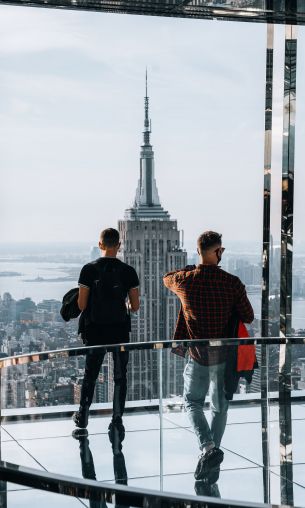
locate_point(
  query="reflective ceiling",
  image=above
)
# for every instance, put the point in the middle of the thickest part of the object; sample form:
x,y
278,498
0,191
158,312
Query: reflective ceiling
x,y
268,11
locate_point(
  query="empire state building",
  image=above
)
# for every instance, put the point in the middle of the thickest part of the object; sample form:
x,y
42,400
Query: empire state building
x,y
151,244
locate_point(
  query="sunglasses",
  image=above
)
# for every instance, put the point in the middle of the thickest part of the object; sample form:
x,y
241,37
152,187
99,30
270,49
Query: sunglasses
x,y
220,250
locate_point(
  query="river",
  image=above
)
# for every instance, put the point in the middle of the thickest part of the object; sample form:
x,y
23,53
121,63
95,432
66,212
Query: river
x,y
24,285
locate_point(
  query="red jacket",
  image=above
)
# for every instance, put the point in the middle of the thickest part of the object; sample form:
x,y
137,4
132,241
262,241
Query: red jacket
x,y
246,357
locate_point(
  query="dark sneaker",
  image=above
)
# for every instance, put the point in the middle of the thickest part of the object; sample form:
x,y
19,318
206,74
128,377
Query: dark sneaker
x,y
208,461
81,417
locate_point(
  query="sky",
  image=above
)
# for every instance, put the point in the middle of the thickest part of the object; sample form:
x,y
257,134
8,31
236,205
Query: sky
x,y
71,121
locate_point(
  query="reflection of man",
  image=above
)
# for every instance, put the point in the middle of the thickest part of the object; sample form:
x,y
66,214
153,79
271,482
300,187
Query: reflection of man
x,y
208,297
87,463
104,286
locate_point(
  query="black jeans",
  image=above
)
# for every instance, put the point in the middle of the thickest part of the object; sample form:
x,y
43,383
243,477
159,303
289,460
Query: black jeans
x,y
94,360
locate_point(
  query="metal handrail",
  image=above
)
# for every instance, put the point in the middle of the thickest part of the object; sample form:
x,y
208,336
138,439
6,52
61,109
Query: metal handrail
x,y
112,493
137,346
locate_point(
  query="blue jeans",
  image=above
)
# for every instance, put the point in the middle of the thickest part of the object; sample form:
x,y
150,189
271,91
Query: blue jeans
x,y
197,381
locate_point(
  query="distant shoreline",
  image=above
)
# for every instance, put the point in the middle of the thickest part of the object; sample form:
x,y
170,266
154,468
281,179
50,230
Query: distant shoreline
x,y
10,274
57,279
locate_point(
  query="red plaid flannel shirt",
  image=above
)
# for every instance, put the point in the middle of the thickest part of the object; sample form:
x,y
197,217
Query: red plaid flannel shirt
x,y
208,296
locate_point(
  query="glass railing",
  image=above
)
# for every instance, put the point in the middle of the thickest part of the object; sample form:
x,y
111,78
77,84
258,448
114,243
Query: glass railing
x,y
156,446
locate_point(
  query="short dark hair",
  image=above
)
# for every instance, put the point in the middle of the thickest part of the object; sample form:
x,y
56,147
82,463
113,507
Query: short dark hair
x,y
207,240
110,237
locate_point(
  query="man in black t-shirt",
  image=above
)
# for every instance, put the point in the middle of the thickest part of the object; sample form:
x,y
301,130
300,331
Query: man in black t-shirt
x,y
106,286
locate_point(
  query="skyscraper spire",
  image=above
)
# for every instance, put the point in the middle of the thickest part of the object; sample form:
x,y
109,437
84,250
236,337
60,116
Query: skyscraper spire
x,y
147,123
147,202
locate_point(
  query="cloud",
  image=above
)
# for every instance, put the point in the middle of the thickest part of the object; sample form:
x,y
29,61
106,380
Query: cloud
x,y
36,30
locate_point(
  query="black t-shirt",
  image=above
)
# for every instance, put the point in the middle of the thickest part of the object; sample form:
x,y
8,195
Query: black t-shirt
x,y
106,334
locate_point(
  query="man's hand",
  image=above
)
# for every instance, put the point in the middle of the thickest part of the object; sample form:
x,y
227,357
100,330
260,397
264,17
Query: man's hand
x,y
134,300
172,280
188,268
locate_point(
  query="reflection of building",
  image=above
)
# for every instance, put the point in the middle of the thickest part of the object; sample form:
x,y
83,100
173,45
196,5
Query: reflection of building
x,y
300,383
275,267
151,244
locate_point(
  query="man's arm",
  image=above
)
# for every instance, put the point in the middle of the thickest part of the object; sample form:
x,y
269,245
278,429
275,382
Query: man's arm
x,y
243,305
134,300
83,297
133,291
85,280
171,280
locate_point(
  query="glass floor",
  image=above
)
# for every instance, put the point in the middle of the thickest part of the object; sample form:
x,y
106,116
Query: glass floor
x,y
151,459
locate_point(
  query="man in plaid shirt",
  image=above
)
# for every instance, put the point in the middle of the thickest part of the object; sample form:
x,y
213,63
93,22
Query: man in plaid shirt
x,y
208,296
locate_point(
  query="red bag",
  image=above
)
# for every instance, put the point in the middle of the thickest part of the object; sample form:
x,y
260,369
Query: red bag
x,y
246,356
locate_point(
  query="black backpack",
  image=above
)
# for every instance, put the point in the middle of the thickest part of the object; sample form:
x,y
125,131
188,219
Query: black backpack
x,y
108,295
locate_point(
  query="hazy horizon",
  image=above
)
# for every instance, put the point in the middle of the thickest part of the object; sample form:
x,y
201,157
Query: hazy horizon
x,y
32,246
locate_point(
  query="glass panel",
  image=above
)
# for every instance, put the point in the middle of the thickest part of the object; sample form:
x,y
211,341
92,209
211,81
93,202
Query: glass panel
x,y
37,405
160,448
